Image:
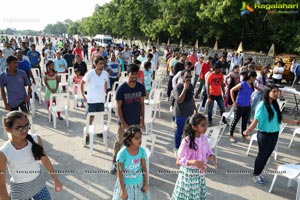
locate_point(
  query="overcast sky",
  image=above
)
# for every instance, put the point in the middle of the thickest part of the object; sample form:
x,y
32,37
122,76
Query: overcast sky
x,y
35,14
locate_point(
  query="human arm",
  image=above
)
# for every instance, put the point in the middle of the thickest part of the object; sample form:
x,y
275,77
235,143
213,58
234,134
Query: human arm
x,y
250,128
145,175
3,95
212,157
142,117
181,97
82,89
31,76
3,189
120,114
123,193
291,121
232,91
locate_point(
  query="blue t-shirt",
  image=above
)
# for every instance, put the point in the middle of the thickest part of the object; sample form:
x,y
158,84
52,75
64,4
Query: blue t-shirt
x,y
262,116
147,79
25,66
131,101
132,165
58,63
33,57
121,61
114,66
15,87
244,94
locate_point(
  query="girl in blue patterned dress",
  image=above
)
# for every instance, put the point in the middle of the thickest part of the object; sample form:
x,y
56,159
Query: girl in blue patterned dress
x,y
132,182
193,154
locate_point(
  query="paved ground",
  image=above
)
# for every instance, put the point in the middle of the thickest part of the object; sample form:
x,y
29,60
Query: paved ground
x,y
85,177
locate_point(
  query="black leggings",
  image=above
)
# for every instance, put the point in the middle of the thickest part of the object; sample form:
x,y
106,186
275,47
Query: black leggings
x,y
266,145
240,111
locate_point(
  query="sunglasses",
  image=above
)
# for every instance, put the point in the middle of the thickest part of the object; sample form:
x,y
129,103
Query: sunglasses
x,y
22,128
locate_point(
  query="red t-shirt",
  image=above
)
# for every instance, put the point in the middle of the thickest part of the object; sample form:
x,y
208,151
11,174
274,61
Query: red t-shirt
x,y
205,68
215,83
140,77
78,51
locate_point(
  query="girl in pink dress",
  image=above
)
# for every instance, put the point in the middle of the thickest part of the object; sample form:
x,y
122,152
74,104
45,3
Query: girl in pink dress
x,y
193,154
76,80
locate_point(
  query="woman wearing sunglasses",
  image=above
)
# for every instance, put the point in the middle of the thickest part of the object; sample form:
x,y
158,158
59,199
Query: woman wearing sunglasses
x,y
21,155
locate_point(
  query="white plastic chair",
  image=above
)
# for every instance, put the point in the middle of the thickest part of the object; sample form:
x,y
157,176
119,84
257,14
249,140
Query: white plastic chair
x,y
148,140
282,104
229,116
58,107
214,108
76,97
32,106
98,126
37,88
296,131
110,102
214,135
116,85
71,73
154,99
63,81
150,114
254,138
36,73
292,172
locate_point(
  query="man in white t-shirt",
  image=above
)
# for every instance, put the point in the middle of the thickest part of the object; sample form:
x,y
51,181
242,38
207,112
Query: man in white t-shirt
x,y
142,57
198,67
127,55
49,53
96,81
277,72
155,61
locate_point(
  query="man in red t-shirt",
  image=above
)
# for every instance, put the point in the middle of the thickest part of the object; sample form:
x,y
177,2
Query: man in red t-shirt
x,y
204,69
215,90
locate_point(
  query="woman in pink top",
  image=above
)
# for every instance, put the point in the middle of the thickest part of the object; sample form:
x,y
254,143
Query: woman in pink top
x,y
193,154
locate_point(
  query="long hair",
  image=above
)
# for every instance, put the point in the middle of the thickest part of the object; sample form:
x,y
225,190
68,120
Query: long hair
x,y
266,100
194,120
249,75
37,150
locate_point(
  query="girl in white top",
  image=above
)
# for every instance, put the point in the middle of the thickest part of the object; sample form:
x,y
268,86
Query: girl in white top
x,y
21,155
277,72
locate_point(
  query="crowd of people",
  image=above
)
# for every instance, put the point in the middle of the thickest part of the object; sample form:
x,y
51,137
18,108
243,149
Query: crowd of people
x,y
229,80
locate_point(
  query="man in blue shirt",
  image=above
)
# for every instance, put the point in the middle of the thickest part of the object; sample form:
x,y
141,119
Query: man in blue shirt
x,y
34,57
24,65
14,80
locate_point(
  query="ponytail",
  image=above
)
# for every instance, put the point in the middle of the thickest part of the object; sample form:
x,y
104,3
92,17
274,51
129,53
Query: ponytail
x,y
37,150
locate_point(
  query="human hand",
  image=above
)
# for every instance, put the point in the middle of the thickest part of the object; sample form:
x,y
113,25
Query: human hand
x,y
27,99
214,160
124,125
142,123
145,188
123,195
200,164
58,186
7,107
186,85
246,132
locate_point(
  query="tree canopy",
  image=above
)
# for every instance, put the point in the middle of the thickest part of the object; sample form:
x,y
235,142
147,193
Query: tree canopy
x,y
190,20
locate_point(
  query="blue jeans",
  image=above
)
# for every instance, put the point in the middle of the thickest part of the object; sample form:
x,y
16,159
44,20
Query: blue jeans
x,y
42,195
220,102
180,122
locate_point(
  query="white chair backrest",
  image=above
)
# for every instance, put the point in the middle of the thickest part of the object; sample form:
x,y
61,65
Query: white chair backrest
x,y
282,104
111,98
71,72
116,85
149,140
98,122
155,95
75,89
214,134
150,113
36,73
63,78
59,97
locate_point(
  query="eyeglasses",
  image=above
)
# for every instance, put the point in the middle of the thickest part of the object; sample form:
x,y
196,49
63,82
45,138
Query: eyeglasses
x,y
22,128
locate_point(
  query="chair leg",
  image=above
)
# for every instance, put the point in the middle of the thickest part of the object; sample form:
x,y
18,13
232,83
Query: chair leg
x,y
67,117
273,182
250,144
54,119
294,134
298,190
275,152
290,183
105,140
91,143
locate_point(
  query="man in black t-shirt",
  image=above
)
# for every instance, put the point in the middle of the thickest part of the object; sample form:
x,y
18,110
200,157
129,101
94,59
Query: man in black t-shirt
x,y
180,65
130,105
85,50
80,65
